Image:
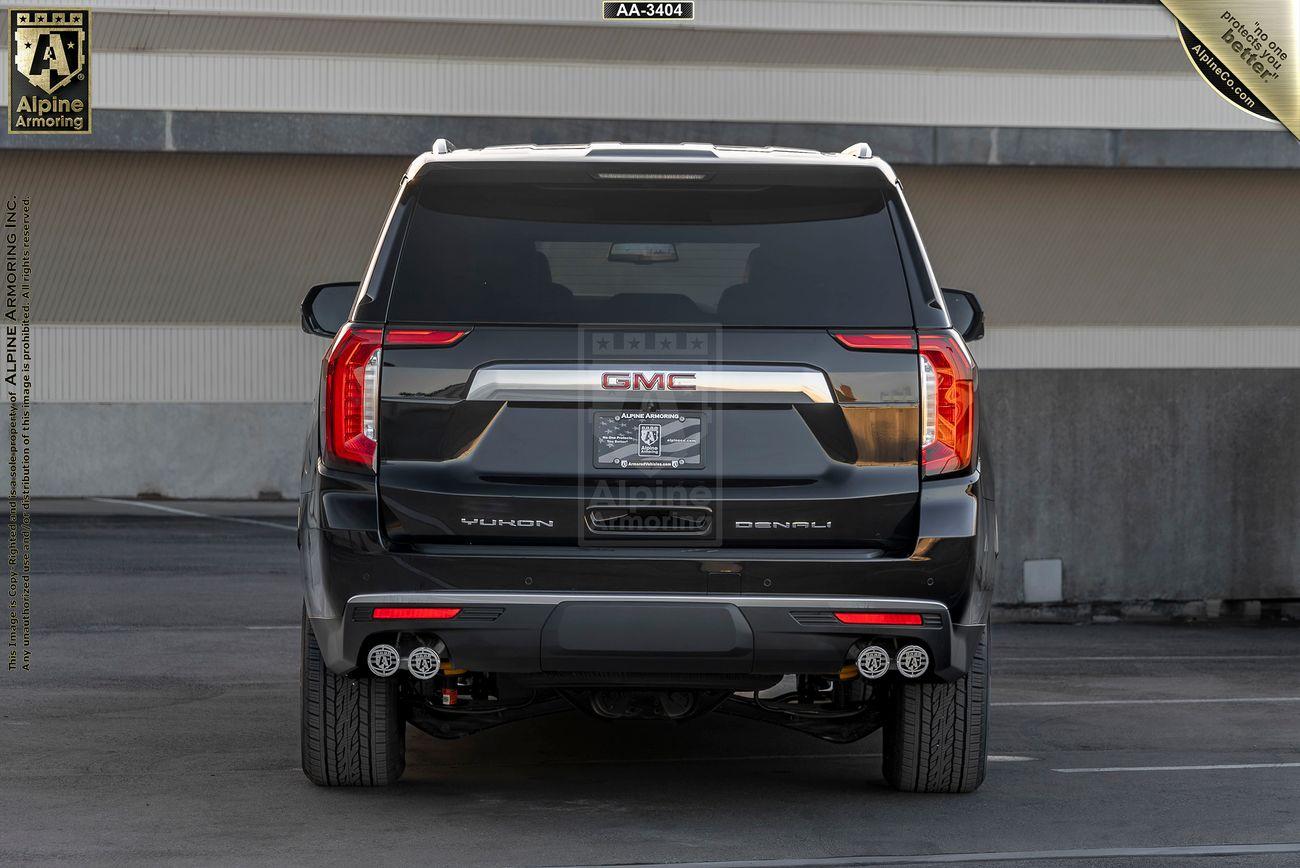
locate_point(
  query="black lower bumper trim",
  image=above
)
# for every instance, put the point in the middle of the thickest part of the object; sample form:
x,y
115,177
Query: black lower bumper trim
x,y
605,635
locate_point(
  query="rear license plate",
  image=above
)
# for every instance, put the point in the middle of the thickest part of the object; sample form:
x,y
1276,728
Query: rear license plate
x,y
636,439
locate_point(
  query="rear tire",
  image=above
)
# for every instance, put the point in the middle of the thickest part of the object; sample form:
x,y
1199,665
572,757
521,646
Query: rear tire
x,y
353,734
936,735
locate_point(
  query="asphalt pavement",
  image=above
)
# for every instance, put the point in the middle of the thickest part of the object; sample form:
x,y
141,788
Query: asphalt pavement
x,y
159,724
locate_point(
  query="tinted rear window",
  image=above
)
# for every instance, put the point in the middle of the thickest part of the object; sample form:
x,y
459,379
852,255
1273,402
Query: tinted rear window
x,y
769,256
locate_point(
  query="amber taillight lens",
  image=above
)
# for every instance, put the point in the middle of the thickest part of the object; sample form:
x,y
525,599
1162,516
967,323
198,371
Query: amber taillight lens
x,y
947,405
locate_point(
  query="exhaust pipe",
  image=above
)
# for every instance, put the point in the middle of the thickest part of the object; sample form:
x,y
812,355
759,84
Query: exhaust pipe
x,y
423,662
873,662
383,660
913,661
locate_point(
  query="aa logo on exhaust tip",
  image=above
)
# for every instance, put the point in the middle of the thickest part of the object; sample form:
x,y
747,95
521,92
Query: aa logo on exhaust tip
x,y
49,78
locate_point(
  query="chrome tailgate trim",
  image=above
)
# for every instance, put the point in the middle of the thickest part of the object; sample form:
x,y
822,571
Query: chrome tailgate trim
x,y
735,384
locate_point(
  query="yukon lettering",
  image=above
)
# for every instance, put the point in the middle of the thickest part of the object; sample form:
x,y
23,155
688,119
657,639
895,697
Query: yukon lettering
x,y
507,522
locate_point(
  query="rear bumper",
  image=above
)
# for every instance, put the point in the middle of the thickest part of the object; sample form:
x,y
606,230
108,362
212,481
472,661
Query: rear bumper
x,y
646,633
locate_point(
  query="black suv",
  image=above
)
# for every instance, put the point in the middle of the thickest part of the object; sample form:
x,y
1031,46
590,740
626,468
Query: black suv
x,y
648,431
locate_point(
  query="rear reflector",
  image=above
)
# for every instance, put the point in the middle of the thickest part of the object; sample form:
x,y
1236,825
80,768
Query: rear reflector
x,y
352,396
414,614
889,619
948,405
423,337
877,340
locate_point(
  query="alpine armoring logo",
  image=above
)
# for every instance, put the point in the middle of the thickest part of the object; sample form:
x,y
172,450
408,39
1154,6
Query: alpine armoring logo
x,y
49,78
648,381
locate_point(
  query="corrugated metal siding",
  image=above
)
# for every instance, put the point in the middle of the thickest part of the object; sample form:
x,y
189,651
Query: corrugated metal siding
x,y
1119,247
269,364
253,34
171,238
1030,19
142,238
410,86
174,364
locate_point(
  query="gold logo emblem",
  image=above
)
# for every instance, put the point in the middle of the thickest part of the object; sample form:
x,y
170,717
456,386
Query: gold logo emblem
x,y
49,81
1246,50
50,47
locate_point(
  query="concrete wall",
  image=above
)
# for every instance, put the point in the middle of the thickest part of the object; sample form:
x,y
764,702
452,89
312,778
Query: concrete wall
x,y
1148,484
207,450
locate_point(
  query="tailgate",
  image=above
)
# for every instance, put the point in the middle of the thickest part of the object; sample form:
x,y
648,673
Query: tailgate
x,y
716,439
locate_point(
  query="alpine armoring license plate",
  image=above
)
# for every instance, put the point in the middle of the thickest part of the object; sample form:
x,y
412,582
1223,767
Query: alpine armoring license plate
x,y
636,439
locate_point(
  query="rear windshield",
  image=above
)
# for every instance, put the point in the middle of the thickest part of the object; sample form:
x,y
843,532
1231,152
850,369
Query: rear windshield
x,y
767,256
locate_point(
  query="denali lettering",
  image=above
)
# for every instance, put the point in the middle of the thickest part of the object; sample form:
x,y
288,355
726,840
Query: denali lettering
x,y
507,522
783,525
657,381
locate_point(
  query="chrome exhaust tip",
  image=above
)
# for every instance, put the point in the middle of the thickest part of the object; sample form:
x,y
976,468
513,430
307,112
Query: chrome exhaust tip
x,y
424,662
383,660
873,662
913,661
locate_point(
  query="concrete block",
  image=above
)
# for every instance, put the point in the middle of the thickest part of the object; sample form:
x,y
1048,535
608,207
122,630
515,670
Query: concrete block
x,y
1052,147
111,130
1042,581
406,135
1194,149
209,450
965,146
1145,610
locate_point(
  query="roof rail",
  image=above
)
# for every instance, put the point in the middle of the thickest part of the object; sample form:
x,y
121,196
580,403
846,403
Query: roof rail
x,y
861,150
442,146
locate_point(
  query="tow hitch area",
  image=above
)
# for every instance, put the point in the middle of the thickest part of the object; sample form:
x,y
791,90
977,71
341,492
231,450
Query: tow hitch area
x,y
631,704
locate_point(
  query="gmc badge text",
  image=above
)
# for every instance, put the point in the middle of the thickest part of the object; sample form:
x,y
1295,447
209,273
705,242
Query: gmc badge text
x,y
752,483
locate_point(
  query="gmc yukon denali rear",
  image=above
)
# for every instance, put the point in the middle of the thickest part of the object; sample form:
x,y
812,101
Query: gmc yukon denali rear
x,y
647,431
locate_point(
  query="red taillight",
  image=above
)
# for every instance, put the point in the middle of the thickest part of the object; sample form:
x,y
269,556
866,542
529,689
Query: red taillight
x,y
889,619
421,613
948,405
877,340
352,396
423,337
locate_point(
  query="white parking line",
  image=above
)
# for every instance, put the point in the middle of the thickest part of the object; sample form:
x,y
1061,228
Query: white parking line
x,y
680,760
1197,701
1092,854
1206,768
273,627
1151,657
192,514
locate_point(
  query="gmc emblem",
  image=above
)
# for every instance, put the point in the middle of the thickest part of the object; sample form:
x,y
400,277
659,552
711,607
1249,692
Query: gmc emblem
x,y
639,381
